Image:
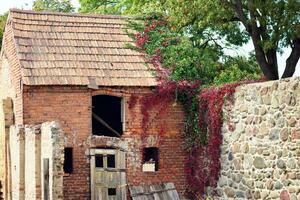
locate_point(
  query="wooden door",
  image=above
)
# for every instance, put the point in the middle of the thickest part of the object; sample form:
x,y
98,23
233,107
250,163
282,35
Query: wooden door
x,y
108,176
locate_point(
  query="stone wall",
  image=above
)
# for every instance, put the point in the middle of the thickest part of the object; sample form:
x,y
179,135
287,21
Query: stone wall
x,y
261,142
29,146
52,148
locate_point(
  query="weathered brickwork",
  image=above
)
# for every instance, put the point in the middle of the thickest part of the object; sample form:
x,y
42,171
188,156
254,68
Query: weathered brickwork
x,y
71,106
10,87
7,94
261,156
14,72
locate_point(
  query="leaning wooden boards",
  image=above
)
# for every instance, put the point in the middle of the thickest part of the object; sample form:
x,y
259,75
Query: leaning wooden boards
x,y
166,191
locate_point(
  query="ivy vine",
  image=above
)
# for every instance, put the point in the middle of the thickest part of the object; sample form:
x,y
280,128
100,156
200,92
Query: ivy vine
x,y
203,107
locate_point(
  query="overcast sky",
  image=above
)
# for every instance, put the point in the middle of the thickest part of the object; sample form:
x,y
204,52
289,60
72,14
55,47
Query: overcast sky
x,y
5,5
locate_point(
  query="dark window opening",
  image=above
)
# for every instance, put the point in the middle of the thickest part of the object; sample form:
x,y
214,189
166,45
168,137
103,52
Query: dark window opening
x,y
111,163
99,161
68,163
112,191
151,155
107,116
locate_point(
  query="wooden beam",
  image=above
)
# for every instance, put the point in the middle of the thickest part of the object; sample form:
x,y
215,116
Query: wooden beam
x,y
105,124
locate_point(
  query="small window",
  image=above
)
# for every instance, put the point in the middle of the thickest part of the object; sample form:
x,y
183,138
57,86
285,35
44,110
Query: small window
x,y
111,161
151,159
99,161
68,163
112,191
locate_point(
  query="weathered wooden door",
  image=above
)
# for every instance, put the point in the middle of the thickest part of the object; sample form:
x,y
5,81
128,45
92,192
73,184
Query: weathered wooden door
x,y
108,176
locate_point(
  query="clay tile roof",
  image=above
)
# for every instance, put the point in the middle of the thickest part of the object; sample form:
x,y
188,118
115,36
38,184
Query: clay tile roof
x,y
73,49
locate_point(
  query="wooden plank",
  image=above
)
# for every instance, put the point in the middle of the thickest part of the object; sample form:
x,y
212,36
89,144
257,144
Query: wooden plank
x,y
46,178
106,178
121,160
123,116
173,194
100,193
154,192
92,178
123,186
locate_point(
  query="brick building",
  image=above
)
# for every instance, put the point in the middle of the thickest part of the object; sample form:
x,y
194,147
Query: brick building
x,y
75,69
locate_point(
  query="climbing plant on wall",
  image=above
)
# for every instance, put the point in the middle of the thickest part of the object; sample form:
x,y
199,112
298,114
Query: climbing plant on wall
x,y
179,77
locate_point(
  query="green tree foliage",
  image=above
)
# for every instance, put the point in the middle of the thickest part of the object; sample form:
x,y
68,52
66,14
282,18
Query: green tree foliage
x,y
187,61
270,25
2,26
119,6
238,69
53,5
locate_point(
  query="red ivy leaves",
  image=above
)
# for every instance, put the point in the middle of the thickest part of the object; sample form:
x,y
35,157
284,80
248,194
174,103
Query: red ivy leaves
x,y
163,95
202,166
132,101
207,158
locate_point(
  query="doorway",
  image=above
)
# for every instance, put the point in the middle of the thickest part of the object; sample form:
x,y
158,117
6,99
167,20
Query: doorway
x,y
108,174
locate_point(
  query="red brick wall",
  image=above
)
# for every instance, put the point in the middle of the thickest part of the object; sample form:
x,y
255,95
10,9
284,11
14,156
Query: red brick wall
x,y
72,107
9,49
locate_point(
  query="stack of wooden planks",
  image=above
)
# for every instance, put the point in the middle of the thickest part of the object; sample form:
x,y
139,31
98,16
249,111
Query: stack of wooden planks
x,y
166,191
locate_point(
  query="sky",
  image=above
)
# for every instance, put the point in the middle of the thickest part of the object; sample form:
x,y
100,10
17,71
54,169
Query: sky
x,y
5,5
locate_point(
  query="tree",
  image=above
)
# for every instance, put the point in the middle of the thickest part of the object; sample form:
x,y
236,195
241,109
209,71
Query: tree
x,y
238,69
53,5
120,6
2,26
271,25
185,60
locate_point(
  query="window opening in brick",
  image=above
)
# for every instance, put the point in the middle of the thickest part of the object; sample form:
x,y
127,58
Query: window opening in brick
x,y
112,191
107,115
68,162
111,161
99,161
150,158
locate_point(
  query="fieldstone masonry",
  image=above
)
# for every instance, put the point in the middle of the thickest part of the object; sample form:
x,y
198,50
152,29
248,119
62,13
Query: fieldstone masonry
x,y
261,142
53,149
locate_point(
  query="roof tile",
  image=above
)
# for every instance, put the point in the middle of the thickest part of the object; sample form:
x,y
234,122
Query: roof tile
x,y
67,49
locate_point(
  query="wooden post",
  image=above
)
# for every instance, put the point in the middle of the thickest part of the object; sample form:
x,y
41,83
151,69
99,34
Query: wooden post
x,y
7,106
46,178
